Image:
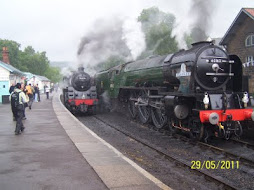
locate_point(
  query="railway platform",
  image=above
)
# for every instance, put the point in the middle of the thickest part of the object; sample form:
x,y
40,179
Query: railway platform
x,y
57,151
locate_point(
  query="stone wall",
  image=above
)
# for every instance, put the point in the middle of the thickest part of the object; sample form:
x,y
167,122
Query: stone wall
x,y
237,46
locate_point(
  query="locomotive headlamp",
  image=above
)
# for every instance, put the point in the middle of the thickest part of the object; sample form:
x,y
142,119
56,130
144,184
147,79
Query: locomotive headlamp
x,y
245,99
211,117
214,118
206,100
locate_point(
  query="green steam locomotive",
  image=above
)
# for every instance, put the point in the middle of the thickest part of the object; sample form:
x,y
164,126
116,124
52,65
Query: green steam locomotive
x,y
199,91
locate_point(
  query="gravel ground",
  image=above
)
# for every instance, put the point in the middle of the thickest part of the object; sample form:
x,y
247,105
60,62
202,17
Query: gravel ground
x,y
235,148
165,170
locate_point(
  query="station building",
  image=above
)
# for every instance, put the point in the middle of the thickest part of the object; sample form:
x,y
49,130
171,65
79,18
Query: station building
x,y
239,40
8,75
33,79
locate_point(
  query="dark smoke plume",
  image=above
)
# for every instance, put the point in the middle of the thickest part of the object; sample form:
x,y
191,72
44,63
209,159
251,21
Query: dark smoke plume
x,y
114,37
202,11
106,36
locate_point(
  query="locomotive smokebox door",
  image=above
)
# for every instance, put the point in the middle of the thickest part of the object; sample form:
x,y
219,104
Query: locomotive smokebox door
x,y
213,68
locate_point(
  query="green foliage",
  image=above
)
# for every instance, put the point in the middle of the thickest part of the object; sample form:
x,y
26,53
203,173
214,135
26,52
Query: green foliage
x,y
158,27
34,62
53,73
30,61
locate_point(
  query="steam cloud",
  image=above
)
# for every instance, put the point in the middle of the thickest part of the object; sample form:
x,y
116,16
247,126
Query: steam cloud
x,y
114,37
134,37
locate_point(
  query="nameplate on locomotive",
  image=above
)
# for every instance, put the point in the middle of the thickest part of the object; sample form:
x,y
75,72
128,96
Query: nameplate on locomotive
x,y
183,72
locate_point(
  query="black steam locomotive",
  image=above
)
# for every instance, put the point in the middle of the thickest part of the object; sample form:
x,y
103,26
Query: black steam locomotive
x,y
79,95
199,91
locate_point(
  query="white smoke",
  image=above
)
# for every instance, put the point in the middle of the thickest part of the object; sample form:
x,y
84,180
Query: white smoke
x,y
109,37
133,37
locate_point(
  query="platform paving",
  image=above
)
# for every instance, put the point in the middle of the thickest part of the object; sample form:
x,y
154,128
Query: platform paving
x,y
56,151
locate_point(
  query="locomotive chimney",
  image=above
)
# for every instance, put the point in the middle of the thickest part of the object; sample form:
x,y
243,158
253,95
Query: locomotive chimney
x,y
201,43
5,54
81,69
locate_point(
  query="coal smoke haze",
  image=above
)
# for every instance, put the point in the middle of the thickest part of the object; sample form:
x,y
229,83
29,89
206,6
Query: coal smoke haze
x,y
57,26
201,11
123,37
118,37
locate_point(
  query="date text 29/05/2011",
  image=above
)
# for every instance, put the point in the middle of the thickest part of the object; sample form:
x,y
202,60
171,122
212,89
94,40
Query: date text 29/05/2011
x,y
211,164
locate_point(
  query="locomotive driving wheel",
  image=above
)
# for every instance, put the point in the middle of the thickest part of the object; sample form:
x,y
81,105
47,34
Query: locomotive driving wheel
x,y
131,106
159,118
238,128
144,111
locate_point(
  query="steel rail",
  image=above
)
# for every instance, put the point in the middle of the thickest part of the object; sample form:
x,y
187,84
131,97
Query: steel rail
x,y
243,143
209,177
217,149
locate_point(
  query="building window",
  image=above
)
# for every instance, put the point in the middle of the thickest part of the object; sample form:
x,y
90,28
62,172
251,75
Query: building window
x,y
249,40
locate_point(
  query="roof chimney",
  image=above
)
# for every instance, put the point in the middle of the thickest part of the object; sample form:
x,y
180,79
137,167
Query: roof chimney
x,y
5,54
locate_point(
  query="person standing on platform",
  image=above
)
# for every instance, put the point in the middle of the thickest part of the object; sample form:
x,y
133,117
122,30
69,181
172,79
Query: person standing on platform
x,y
30,92
36,93
27,99
18,99
12,88
47,89
39,97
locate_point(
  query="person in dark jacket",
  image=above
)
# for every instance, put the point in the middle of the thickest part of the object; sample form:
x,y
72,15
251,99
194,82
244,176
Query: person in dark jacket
x,y
36,93
12,88
18,107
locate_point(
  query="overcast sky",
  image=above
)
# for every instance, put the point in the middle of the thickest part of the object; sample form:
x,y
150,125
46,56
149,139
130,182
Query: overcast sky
x,y
57,26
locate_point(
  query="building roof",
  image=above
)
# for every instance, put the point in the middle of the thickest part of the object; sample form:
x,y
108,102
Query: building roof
x,y
31,75
11,69
250,11
42,78
242,15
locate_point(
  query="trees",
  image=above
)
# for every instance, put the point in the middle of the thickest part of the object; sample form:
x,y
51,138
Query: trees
x,y
53,73
158,27
30,61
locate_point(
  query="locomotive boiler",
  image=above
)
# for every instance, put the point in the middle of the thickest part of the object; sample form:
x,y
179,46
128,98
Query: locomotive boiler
x,y
79,94
198,91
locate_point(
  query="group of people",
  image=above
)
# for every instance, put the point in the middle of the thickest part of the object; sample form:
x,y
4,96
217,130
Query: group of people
x,y
21,97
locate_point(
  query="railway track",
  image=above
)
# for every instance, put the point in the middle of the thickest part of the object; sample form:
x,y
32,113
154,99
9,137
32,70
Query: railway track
x,y
227,153
243,143
208,176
